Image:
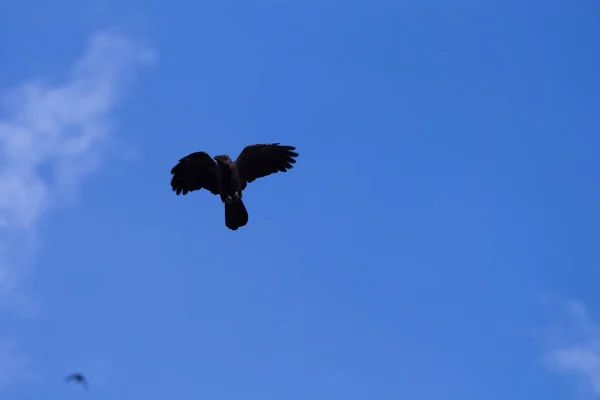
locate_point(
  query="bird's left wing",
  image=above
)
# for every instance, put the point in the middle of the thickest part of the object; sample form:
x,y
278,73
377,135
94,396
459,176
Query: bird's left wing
x,y
194,172
259,160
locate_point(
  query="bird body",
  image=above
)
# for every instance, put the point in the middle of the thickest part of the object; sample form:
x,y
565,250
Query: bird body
x,y
226,178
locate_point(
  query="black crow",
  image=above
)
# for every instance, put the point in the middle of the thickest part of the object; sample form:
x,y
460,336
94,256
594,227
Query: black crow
x,y
77,377
228,178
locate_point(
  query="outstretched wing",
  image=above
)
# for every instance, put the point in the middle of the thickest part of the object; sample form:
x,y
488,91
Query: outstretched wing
x,y
259,160
194,172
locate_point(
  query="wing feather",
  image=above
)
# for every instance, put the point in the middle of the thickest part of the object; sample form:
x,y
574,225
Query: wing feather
x,y
260,160
194,172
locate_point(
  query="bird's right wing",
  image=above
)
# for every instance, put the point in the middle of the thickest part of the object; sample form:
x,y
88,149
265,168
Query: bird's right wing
x,y
194,172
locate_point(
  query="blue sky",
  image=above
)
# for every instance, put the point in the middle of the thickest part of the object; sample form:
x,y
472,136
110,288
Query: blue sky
x,y
436,239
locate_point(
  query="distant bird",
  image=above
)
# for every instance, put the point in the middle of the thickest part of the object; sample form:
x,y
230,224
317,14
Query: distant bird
x,y
77,377
228,178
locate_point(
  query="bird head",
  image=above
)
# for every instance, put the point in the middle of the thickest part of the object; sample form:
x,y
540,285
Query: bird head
x,y
223,159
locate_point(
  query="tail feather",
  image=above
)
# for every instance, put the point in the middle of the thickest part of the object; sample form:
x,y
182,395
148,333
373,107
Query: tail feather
x,y
236,214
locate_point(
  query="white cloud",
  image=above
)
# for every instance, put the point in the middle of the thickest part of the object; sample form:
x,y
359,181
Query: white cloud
x,y
51,136
573,347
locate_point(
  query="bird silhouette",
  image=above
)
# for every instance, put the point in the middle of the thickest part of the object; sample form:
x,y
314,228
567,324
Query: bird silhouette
x,y
227,178
77,377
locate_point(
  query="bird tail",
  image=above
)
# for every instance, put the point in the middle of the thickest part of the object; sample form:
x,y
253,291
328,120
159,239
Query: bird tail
x,y
236,214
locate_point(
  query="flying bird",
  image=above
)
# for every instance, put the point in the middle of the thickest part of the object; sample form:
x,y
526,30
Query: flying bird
x,y
226,178
77,377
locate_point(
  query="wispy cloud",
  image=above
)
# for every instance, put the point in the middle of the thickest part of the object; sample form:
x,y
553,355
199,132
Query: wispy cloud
x,y
573,347
53,135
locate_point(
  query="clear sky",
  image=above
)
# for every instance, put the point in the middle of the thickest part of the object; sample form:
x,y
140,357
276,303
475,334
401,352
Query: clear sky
x,y
437,239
